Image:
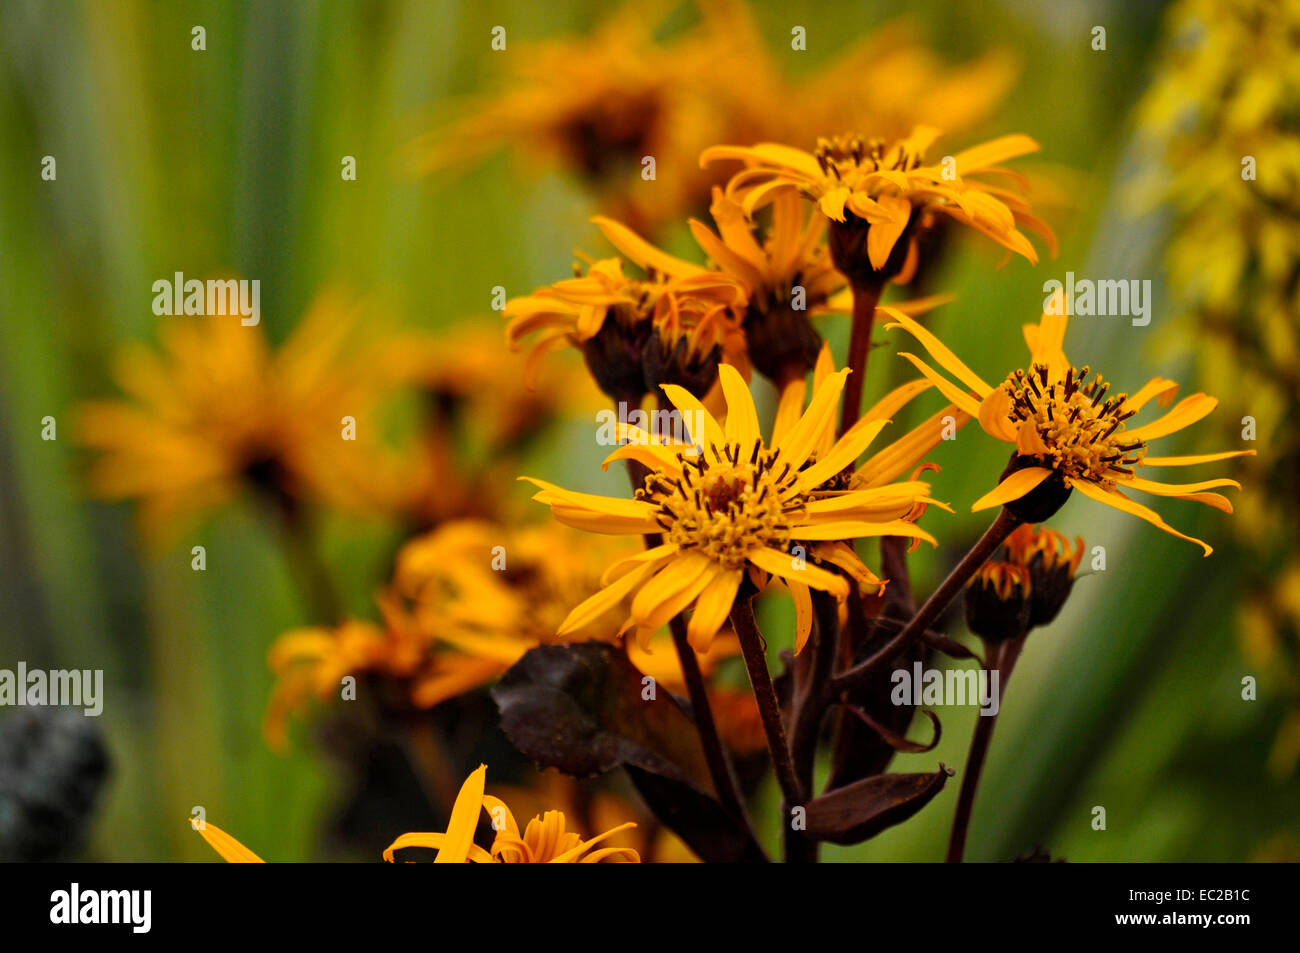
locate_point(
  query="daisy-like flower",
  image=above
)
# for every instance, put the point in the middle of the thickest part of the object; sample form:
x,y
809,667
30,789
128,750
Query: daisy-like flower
x,y
731,503
595,105
218,411
675,321
1067,433
870,189
545,840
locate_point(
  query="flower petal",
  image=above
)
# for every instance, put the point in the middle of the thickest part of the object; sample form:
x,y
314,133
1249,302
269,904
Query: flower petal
x,y
1012,488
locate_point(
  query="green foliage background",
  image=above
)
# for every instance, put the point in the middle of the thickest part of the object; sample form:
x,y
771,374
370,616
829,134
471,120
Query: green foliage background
x,y
228,159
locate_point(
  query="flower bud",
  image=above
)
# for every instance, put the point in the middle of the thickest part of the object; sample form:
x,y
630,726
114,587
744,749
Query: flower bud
x,y
998,602
1051,560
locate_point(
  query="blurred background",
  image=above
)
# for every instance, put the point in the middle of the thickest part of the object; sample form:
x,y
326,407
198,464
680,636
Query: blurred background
x,y
226,161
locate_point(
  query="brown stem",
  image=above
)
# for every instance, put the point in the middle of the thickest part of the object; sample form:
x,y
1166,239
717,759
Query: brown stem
x,y
714,753
993,537
809,712
720,771
865,299
810,704
769,709
1002,658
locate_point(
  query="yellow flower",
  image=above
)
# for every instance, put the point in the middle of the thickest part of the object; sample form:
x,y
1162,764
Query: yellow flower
x,y
466,602
594,104
878,184
311,663
231,850
791,259
731,503
1067,431
876,473
601,809
218,412
544,841
613,317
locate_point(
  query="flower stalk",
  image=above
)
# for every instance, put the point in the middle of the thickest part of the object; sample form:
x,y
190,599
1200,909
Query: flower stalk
x,y
993,537
1001,659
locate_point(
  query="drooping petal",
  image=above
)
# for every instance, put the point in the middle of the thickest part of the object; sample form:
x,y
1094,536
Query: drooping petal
x,y
435,841
1012,488
712,609
882,237
1185,413
961,398
231,850
784,565
939,351
803,613
1121,502
597,604
1194,459
642,252
995,415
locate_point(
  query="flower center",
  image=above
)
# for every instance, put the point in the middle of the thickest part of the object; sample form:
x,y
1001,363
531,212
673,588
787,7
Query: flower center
x,y
1081,428
849,157
727,508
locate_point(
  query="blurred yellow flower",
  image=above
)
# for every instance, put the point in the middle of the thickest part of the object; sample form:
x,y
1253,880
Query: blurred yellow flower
x,y
601,104
467,600
218,411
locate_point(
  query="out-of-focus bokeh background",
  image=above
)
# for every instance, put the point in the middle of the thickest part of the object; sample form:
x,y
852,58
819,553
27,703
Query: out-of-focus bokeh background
x,y
227,161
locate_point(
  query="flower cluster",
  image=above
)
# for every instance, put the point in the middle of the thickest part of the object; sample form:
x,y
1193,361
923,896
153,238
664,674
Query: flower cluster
x,y
623,632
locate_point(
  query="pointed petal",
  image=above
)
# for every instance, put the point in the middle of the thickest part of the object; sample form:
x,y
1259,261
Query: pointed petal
x,y
1124,504
464,819
1012,488
1185,413
712,609
939,351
